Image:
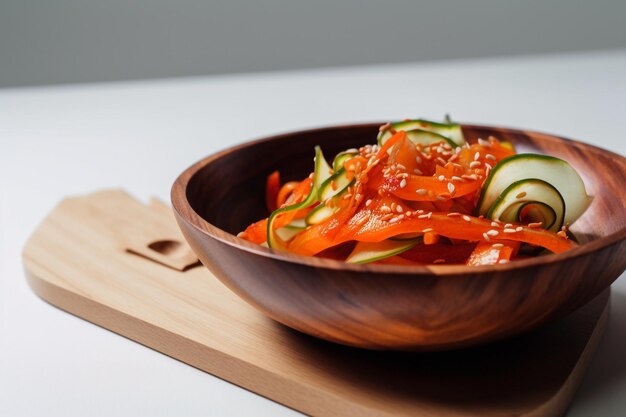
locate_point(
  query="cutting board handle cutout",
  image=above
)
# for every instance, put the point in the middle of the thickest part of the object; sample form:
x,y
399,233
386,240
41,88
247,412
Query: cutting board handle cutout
x,y
153,237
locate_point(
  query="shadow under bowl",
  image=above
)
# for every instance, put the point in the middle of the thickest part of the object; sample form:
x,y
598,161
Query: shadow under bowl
x,y
433,307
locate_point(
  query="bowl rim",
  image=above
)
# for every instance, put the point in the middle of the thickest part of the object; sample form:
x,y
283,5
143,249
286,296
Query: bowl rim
x,y
184,211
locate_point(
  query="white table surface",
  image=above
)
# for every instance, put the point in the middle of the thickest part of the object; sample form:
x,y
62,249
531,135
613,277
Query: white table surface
x,y
60,141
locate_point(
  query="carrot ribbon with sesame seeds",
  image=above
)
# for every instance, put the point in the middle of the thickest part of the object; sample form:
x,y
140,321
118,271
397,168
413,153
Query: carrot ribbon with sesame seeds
x,y
416,198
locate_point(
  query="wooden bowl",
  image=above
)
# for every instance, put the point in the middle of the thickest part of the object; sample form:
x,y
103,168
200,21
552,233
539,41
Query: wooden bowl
x,y
387,306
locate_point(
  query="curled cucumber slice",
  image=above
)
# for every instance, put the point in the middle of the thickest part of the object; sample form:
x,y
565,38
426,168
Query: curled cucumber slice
x,y
529,201
554,171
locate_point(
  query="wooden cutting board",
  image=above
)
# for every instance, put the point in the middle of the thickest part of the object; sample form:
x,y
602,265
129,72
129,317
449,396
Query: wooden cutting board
x,y
124,266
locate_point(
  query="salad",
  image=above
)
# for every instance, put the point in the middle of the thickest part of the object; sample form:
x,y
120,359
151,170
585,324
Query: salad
x,y
423,195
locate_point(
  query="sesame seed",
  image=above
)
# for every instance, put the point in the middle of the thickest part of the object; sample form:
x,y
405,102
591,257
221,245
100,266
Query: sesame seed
x,y
424,216
403,183
519,229
368,202
408,214
457,179
443,197
418,159
521,195
495,224
393,206
470,177
441,178
474,164
476,156
467,218
493,232
393,220
483,142
441,160
488,166
486,237
453,214
490,157
385,209
386,217
400,166
421,191
427,230
451,187
497,245
534,225
503,261
399,209
363,220
400,217
509,230
418,171
506,226
439,261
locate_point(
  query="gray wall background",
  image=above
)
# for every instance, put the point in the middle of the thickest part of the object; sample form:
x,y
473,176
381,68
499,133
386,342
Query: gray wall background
x,y
76,41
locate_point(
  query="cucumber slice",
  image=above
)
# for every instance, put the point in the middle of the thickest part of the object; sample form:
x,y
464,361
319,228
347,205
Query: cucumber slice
x,y
319,214
334,185
297,224
425,137
530,200
451,131
293,228
322,170
554,171
321,174
285,233
365,252
272,240
343,157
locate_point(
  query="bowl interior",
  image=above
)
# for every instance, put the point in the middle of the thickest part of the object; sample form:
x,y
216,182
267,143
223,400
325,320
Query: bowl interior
x,y
228,190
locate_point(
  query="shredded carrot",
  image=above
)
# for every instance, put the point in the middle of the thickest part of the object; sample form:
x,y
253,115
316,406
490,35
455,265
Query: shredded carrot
x,y
271,190
407,192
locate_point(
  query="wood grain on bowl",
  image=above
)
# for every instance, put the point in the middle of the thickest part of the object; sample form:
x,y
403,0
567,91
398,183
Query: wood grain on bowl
x,y
396,307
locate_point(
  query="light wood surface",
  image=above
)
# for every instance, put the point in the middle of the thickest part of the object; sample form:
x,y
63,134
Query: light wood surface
x,y
77,261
